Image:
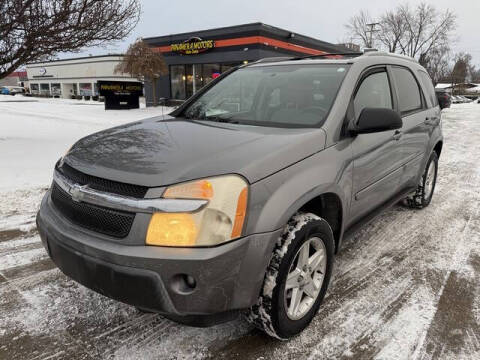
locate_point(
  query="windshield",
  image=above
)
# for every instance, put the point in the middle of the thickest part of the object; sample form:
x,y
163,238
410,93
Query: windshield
x,y
281,95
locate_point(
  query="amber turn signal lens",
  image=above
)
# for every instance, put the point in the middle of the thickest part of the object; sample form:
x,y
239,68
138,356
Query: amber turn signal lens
x,y
240,213
171,229
201,189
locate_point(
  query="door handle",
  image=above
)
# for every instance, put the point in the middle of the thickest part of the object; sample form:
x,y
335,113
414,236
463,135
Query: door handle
x,y
397,135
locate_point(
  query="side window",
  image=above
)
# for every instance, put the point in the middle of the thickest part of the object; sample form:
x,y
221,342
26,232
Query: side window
x,y
374,92
428,86
409,96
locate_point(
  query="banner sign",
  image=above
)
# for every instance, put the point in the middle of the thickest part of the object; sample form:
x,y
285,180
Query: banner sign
x,y
119,88
192,46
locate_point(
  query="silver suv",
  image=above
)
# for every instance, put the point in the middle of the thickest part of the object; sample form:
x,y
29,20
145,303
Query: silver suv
x,y
239,199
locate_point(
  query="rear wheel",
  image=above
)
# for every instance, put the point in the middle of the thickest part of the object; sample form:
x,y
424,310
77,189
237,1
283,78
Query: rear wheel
x,y
424,192
297,277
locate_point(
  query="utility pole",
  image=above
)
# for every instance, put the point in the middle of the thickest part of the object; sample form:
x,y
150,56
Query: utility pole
x,y
372,29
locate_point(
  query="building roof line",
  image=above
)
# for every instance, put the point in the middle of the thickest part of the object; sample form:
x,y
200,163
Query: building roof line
x,y
77,58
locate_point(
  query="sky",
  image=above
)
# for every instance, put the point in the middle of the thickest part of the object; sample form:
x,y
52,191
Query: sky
x,y
320,19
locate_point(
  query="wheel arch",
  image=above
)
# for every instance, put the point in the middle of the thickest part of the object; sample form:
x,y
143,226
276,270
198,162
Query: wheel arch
x,y
438,148
328,206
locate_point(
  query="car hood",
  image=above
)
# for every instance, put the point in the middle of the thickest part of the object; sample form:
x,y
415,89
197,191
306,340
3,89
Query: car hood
x,y
158,152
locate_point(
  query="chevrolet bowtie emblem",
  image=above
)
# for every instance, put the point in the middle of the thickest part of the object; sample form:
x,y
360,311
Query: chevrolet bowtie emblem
x,y
76,192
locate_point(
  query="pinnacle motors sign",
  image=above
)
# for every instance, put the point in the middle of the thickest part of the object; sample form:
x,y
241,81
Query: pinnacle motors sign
x,y
192,46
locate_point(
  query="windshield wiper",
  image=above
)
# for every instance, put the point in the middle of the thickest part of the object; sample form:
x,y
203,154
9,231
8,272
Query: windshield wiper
x,y
223,118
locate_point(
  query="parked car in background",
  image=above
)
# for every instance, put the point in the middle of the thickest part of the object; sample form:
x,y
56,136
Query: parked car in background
x,y
12,90
456,100
240,198
465,99
444,99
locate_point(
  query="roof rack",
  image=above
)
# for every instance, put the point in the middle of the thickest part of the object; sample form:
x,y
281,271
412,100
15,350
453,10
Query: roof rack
x,y
287,58
273,59
334,55
383,53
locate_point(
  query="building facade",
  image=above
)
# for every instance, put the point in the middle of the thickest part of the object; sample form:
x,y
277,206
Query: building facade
x,y
17,78
70,78
196,58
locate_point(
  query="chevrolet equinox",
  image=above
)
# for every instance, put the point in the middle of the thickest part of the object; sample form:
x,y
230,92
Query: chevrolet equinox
x,y
238,200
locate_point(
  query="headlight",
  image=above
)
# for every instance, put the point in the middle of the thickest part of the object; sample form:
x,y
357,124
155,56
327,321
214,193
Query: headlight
x,y
221,220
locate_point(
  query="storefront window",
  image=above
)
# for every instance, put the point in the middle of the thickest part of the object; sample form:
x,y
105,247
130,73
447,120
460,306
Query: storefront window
x,y
177,81
45,88
186,80
34,88
210,72
55,89
226,67
85,89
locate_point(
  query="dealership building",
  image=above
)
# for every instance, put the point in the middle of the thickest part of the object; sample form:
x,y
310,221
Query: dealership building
x,y
69,78
196,58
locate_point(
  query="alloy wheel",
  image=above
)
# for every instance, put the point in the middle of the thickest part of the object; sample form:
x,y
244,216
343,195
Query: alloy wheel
x,y
305,278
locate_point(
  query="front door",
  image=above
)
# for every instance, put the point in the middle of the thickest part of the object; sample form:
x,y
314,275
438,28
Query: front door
x,y
378,158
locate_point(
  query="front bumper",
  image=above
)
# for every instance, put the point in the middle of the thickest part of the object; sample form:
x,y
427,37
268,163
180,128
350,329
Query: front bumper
x,y
228,277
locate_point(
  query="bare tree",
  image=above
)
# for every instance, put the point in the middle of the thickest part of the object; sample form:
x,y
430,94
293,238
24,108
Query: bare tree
x,y
426,29
475,75
32,30
358,28
143,62
392,30
420,32
437,63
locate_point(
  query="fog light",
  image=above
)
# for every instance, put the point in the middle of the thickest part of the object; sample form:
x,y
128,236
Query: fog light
x,y
183,284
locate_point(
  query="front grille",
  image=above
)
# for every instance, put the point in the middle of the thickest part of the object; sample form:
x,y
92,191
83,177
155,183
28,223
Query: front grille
x,y
102,220
100,184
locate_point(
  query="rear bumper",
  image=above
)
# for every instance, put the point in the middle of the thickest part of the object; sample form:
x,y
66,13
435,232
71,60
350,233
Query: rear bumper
x,y
227,277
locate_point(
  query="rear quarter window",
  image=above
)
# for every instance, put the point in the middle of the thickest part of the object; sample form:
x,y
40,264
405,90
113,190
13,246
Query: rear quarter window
x,y
429,88
409,95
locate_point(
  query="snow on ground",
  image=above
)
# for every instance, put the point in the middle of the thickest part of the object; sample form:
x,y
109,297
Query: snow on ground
x,y
35,132
404,287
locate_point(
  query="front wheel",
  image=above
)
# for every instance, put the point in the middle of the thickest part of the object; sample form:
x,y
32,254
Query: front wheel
x,y
297,277
423,194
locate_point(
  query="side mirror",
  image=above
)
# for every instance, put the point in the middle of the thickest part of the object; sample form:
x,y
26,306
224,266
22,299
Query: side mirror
x,y
373,120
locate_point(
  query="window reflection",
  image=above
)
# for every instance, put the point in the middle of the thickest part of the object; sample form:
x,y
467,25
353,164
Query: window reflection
x,y
186,80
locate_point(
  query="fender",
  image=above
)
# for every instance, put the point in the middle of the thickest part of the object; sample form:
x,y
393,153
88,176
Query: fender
x,y
279,196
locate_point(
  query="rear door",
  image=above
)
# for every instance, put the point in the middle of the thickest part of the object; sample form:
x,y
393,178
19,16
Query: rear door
x,y
416,111
378,158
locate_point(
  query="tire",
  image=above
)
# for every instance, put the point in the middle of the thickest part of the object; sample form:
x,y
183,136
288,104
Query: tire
x,y
272,313
423,195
